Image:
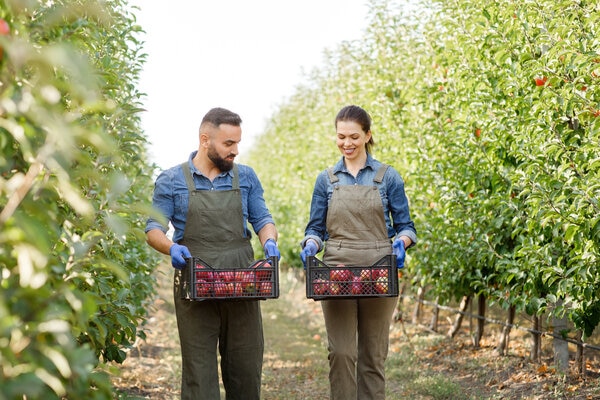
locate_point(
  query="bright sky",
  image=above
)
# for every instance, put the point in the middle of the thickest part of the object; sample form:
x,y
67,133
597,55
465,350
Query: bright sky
x,y
243,55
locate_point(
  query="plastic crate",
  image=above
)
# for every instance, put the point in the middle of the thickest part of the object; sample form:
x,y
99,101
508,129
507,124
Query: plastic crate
x,y
259,281
348,281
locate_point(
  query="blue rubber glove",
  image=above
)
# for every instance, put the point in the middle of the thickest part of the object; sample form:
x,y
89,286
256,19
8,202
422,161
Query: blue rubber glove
x,y
310,249
399,252
179,254
271,249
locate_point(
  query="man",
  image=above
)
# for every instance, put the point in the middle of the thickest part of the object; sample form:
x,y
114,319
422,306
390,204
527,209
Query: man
x,y
209,200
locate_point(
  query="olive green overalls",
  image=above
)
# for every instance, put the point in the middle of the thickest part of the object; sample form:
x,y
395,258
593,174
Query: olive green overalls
x,y
214,232
357,329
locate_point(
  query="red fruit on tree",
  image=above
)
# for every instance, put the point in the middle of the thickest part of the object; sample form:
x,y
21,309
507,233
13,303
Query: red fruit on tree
x,y
4,30
540,81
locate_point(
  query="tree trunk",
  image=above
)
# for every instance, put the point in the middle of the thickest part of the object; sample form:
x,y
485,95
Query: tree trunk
x,y
418,306
561,347
502,348
480,320
580,357
464,303
435,317
536,342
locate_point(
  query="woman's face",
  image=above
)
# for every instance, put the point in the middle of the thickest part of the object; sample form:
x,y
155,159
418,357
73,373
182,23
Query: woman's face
x,y
351,139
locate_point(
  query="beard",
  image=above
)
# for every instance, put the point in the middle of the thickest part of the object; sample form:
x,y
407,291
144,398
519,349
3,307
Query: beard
x,y
223,164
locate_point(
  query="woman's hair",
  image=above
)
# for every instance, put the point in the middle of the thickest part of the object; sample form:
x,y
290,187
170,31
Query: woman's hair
x,y
361,117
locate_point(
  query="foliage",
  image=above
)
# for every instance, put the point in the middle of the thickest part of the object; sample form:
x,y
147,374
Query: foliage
x,y
489,110
75,270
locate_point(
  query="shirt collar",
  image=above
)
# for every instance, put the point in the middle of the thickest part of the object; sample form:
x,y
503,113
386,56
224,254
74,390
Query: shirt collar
x,y
197,172
341,167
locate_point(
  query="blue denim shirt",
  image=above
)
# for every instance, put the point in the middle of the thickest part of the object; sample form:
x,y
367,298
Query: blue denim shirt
x,y
391,189
171,197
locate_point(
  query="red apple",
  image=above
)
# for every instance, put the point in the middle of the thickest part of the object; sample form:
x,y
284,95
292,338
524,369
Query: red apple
x,y
381,285
319,286
202,288
4,27
340,275
366,275
220,289
335,288
265,288
380,273
356,285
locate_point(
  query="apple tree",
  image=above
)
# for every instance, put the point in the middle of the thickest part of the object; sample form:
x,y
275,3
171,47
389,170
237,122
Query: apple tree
x,y
75,270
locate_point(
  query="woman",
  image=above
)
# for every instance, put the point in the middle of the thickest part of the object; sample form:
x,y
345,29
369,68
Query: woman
x,y
358,225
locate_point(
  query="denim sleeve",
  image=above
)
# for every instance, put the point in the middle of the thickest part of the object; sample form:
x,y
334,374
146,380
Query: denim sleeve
x,y
398,206
162,201
258,213
316,227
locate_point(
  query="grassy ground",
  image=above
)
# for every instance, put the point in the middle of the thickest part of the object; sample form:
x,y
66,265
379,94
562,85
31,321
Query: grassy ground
x,y
421,365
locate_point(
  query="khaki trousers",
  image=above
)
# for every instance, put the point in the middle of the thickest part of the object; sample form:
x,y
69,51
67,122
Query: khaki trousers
x,y
358,340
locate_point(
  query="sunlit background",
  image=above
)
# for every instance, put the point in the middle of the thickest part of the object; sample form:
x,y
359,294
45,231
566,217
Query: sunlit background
x,y
247,56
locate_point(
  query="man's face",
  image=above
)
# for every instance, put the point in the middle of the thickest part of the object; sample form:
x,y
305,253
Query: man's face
x,y
223,146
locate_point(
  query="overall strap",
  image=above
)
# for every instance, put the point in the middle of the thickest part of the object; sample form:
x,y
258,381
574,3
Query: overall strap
x,y
332,177
188,177
380,173
235,183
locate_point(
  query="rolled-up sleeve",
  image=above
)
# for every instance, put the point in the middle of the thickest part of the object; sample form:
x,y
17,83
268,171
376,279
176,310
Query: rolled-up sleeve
x,y
258,214
316,228
162,201
398,207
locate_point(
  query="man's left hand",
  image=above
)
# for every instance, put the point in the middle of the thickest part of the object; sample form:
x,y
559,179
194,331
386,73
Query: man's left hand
x,y
271,249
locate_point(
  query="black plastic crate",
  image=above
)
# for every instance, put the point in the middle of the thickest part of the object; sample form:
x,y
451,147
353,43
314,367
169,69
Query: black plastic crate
x,y
349,281
259,281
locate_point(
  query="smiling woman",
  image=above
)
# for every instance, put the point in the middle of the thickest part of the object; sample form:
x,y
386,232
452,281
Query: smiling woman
x,y
246,56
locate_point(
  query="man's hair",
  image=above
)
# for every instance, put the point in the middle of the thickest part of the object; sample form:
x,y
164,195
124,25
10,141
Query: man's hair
x,y
218,116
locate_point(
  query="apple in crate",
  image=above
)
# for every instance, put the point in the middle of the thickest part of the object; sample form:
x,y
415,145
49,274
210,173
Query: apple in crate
x,y
320,286
335,288
249,282
380,273
220,288
381,285
202,288
366,275
356,285
265,288
340,275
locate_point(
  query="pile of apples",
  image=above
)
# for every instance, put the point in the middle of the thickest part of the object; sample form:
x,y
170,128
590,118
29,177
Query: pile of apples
x,y
343,281
255,281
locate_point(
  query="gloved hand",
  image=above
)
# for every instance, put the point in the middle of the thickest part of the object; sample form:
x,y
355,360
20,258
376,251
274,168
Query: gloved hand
x,y
399,252
310,249
271,249
178,255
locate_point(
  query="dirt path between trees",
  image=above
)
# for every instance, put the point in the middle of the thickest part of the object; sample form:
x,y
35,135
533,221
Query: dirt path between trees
x,y
421,364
